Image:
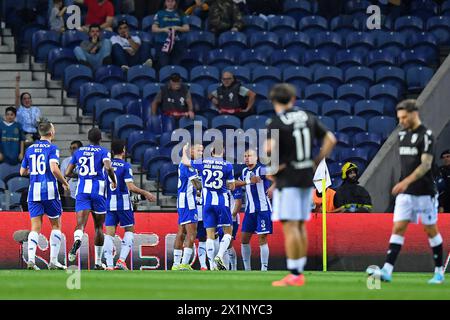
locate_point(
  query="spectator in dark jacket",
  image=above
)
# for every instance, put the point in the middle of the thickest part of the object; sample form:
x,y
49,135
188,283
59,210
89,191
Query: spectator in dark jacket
x,y
224,15
443,180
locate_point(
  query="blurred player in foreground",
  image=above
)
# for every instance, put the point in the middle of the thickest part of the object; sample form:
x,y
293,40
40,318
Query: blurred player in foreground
x,y
41,163
90,161
294,178
416,192
119,207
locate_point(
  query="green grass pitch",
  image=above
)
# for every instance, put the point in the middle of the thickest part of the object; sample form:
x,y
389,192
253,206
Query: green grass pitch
x,y
196,285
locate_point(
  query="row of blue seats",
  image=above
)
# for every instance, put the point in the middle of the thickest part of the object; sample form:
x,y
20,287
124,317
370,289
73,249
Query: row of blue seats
x,y
14,184
14,201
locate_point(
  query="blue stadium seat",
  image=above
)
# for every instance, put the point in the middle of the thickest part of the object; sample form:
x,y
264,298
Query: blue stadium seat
x,y
140,75
298,76
351,93
362,76
72,38
264,41
226,121
355,155
89,93
2,186
362,42
167,124
424,9
319,92
253,58
328,122
336,109
343,140
391,75
233,41
221,58
42,42
58,59
425,43
347,58
262,91
109,75
192,59
281,24
380,58
351,124
334,168
411,58
417,78
166,141
169,179
440,27
285,58
8,171
18,184
386,94
15,203
105,111
445,8
368,109
195,23
265,107
332,76
205,75
311,25
367,139
147,23
256,122
329,41
382,125
315,57
135,107
161,158
408,24
253,24
150,91
125,92
307,105
393,41
298,9
159,124
106,34
344,24
296,41
187,123
74,76
267,76
239,72
200,41
167,71
124,125
355,6
199,100
137,142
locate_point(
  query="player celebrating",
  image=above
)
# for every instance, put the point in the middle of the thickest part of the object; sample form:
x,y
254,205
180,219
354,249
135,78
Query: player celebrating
x,y
120,209
41,162
188,184
416,191
90,161
294,177
258,209
217,178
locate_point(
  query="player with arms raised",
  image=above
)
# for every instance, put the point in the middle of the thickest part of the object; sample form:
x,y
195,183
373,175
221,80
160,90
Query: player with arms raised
x,y
41,162
416,192
294,177
90,161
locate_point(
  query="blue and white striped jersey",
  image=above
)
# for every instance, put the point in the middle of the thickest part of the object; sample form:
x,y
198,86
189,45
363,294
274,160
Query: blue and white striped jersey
x,y
119,198
89,161
215,173
186,191
43,184
257,199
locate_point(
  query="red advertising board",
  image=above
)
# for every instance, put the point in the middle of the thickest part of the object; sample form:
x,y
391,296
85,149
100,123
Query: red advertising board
x,y
354,240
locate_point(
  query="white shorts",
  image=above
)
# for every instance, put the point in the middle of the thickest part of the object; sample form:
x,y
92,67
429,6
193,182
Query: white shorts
x,y
409,207
292,204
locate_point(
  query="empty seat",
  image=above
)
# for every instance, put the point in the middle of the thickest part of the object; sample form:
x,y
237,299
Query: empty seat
x,y
355,6
169,182
125,92
42,42
267,76
265,107
307,105
89,93
198,96
147,23
315,57
391,75
368,109
298,9
261,90
253,23
367,138
256,122
351,124
74,76
140,75
329,75
328,122
226,122
137,142
348,58
205,75
380,58
351,93
296,41
285,58
313,24
136,107
200,41
386,94
394,42
319,92
58,59
411,58
109,75
362,76
221,58
167,71
344,24
233,40
408,24
281,24
417,78
264,41
105,111
440,28
298,76
253,58
195,23
72,38
336,108
18,184
329,41
426,44
423,8
187,123
382,125
150,90
125,124
362,42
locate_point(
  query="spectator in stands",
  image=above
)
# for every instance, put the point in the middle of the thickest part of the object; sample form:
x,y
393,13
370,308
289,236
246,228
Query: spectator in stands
x,y
317,200
99,12
174,99
56,20
127,50
444,182
12,144
94,52
68,199
224,15
199,8
168,23
28,115
351,197
232,97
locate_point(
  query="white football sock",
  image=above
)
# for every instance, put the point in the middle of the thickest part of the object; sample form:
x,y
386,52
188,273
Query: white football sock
x,y
224,244
98,255
202,254
210,252
216,246
264,253
233,258
33,238
388,267
187,253
78,235
246,252
177,253
55,244
127,244
226,260
301,264
108,245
